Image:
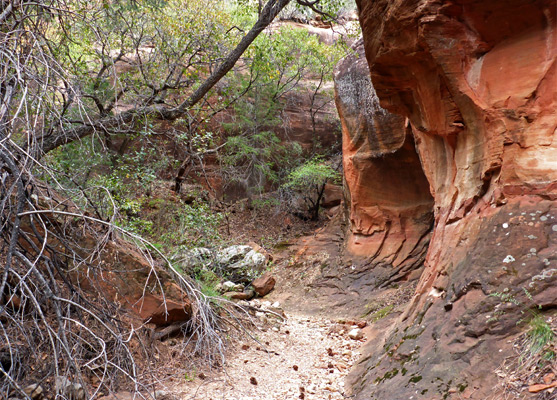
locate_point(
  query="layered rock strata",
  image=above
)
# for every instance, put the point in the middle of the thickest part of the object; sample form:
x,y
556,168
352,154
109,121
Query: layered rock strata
x,y
477,82
389,203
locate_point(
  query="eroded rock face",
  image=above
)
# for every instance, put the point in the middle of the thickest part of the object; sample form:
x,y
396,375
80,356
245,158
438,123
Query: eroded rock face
x,y
477,81
391,209
124,278
372,266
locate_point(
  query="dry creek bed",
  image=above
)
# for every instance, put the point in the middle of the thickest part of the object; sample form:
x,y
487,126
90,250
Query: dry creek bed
x,y
302,357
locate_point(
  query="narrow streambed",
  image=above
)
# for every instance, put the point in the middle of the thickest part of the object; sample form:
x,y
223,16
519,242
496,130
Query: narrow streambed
x,y
300,358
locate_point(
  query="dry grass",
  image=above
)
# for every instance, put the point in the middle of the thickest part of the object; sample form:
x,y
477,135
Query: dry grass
x,y
534,361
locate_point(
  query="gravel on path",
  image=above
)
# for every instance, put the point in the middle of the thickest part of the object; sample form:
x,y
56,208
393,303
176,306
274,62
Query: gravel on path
x,y
301,358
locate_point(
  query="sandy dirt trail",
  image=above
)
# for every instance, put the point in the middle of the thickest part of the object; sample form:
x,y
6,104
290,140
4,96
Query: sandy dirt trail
x,y
300,358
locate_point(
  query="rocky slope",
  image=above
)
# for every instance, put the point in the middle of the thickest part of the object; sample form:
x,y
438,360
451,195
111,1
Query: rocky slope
x,y
476,81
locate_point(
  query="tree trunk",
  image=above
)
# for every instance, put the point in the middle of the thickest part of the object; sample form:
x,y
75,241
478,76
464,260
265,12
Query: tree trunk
x,y
49,142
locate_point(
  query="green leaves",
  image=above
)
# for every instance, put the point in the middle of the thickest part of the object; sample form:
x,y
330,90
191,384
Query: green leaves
x,y
540,335
312,173
284,60
328,8
308,183
288,54
258,158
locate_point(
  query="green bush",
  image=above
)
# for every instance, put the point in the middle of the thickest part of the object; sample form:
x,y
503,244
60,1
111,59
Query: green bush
x,y
307,182
287,60
258,159
312,174
189,225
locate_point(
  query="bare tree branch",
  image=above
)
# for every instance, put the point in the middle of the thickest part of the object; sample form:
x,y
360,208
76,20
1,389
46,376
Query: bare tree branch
x,y
63,135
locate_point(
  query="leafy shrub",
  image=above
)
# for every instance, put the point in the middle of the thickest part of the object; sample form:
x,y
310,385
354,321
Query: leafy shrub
x,y
189,225
313,173
279,63
307,182
258,159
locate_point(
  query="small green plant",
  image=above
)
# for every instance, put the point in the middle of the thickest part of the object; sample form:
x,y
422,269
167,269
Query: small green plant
x,y
308,182
189,377
209,290
528,294
535,346
506,297
208,281
130,206
381,313
540,337
261,203
138,225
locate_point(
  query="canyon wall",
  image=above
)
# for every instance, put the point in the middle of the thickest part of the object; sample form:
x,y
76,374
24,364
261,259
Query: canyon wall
x,y
387,192
474,84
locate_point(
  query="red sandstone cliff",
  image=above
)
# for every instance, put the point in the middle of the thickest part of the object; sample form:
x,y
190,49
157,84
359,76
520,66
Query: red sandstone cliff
x,y
477,81
387,192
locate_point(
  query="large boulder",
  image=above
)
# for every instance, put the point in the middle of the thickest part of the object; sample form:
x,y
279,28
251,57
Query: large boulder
x,y
255,259
194,259
240,263
237,264
332,195
123,279
157,310
232,254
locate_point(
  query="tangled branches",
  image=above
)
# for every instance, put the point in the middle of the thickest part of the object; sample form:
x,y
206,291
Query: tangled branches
x,y
72,286
68,291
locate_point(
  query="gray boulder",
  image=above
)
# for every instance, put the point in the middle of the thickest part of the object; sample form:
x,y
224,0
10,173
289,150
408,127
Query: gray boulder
x,y
240,263
257,260
232,254
196,258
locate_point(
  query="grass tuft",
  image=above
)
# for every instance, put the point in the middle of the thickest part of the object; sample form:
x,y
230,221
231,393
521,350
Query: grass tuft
x,y
539,336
